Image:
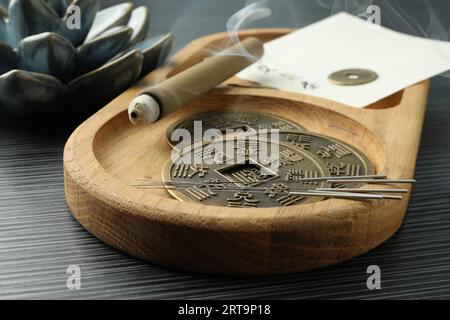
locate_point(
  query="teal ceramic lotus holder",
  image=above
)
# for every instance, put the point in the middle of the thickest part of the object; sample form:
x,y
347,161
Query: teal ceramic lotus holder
x,y
49,67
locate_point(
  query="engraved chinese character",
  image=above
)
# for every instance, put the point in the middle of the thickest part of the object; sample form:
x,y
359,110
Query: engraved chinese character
x,y
288,157
276,189
290,199
207,190
299,140
336,150
211,152
197,193
247,147
247,176
248,120
199,169
344,169
213,185
181,170
353,170
280,125
294,174
242,199
297,175
215,121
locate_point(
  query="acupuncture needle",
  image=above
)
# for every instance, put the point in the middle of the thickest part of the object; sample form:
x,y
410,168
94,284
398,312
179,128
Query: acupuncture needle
x,y
350,195
150,183
371,180
263,190
360,196
383,196
338,195
387,190
252,189
312,193
377,178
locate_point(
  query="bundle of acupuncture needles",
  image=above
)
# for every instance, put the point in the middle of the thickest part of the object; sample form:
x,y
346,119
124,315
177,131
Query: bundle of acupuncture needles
x,y
306,166
342,193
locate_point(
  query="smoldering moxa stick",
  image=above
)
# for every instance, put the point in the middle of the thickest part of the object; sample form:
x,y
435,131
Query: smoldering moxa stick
x,y
163,98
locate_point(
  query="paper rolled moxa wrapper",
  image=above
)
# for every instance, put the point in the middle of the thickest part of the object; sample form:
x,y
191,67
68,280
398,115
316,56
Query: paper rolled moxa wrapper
x,y
163,98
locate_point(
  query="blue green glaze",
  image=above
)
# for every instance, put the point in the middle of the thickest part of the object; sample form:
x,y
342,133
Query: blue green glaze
x,y
45,68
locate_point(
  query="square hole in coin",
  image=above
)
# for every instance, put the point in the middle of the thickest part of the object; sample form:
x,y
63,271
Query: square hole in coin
x,y
247,174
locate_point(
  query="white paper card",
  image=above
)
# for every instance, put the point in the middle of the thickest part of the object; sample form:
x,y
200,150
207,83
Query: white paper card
x,y
302,60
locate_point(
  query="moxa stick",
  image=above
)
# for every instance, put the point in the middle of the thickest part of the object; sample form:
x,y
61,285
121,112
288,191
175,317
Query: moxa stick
x,y
163,98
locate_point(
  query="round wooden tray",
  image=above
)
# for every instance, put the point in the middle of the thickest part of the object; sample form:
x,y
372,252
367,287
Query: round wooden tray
x,y
106,154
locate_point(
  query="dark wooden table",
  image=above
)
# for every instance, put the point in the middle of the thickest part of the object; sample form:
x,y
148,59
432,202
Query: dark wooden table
x,y
39,238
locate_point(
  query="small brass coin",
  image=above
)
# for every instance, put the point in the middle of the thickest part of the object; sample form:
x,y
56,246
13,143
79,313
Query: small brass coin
x,y
353,77
254,182
340,158
223,120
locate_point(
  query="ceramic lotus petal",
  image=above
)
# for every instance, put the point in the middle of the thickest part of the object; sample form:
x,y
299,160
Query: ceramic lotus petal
x,y
138,23
48,53
111,17
154,50
47,67
96,52
29,94
8,58
104,81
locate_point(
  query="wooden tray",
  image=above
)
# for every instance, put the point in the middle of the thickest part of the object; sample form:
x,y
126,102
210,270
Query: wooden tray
x,y
106,154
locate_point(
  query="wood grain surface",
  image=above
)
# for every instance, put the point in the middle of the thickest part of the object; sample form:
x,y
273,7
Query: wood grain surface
x,y
39,238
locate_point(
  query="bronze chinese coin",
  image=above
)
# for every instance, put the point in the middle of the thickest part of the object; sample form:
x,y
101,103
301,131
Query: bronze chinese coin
x,y
352,77
242,175
227,123
340,158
